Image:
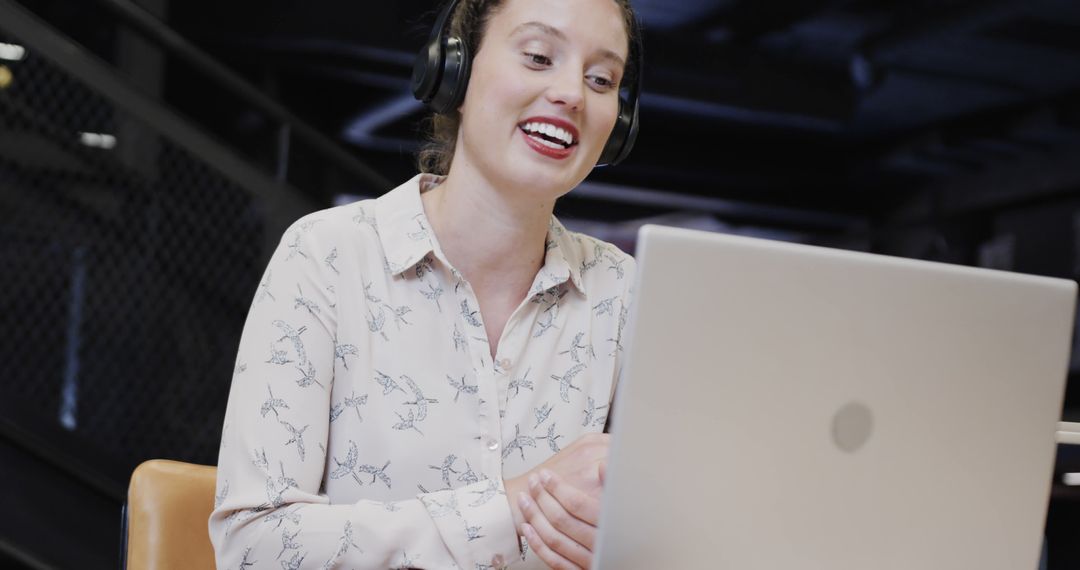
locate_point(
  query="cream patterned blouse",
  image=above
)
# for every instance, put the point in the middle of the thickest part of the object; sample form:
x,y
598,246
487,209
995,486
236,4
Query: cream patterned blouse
x,y
367,424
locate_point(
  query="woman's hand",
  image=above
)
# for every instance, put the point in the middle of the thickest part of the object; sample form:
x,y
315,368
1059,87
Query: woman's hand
x,y
557,504
561,521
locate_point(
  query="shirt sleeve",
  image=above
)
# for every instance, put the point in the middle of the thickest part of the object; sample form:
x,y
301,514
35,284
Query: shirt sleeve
x,y
269,509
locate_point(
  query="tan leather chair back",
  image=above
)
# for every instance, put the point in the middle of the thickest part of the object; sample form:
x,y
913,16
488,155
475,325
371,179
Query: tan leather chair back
x,y
169,503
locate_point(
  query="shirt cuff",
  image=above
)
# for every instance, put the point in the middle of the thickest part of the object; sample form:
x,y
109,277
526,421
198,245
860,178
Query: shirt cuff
x,y
476,524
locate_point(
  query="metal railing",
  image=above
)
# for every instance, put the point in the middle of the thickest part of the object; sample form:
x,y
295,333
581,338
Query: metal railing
x,y
289,125
1068,433
92,234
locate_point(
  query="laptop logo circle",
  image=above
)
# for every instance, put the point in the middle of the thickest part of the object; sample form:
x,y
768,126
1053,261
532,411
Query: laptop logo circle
x,y
852,426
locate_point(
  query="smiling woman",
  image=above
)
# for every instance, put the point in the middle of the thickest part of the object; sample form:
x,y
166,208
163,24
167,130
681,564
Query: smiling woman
x,y
468,22
423,378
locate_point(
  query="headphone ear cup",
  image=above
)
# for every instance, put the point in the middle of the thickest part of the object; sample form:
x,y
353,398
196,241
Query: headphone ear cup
x,y
454,77
427,70
632,124
625,129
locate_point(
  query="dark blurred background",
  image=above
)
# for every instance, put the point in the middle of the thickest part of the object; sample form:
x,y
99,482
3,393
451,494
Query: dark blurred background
x,y
152,152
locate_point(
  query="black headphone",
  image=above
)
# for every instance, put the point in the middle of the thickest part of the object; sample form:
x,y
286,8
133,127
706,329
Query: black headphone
x,y
440,77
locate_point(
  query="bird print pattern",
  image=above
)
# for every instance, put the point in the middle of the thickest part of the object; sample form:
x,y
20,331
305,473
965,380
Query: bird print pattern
x,y
369,425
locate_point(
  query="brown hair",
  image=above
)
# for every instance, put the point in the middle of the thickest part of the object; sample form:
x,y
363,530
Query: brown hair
x,y
469,22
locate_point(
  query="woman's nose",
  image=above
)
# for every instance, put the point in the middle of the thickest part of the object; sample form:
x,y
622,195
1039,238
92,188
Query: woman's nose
x,y
568,90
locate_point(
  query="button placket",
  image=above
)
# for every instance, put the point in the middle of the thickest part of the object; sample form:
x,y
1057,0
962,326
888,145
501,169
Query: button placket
x,y
488,390
510,346
493,421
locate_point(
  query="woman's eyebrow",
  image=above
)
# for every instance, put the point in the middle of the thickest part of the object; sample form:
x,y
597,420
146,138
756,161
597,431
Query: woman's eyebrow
x,y
540,26
613,57
557,33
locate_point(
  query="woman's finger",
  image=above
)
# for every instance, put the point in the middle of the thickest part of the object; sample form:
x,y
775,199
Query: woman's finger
x,y
553,539
581,505
549,556
564,521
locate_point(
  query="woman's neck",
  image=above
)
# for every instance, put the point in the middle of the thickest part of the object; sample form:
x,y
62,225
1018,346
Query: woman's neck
x,y
493,236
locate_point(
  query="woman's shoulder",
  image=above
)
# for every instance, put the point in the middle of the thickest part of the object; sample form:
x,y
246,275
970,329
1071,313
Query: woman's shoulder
x,y
589,244
586,246
336,218
599,264
359,217
334,225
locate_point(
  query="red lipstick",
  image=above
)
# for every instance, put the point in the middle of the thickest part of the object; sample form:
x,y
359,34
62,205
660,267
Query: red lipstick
x,y
550,136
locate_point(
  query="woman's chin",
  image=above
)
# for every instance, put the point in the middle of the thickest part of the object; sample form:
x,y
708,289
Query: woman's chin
x,y
543,180
540,171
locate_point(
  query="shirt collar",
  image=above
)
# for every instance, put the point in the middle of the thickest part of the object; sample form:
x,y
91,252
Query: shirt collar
x,y
402,226
407,238
562,260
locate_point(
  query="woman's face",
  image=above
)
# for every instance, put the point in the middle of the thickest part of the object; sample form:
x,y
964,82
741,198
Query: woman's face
x,y
543,94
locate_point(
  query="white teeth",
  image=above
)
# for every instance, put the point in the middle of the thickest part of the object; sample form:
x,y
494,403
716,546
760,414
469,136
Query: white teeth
x,y
550,130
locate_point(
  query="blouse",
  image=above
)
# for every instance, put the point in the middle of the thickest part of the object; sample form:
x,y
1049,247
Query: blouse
x,y
367,424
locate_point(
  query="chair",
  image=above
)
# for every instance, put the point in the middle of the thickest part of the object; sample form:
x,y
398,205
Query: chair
x,y
165,516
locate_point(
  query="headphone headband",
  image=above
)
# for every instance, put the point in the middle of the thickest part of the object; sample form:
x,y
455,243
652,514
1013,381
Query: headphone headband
x,y
441,21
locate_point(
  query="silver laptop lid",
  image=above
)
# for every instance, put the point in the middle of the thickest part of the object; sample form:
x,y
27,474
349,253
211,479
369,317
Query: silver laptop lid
x,y
788,406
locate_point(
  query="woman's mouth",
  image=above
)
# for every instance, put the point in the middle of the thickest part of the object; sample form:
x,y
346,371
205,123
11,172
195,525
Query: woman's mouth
x,y
551,138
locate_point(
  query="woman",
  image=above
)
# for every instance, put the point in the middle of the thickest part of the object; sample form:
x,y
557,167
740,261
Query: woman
x,y
423,378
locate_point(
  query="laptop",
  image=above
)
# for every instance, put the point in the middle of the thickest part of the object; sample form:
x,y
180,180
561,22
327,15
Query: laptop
x,y
791,407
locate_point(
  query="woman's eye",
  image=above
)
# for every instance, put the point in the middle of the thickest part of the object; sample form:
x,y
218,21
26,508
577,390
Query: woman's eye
x,y
602,83
539,59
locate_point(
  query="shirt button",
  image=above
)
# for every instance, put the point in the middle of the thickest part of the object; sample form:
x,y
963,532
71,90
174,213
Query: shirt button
x,y
505,364
497,561
493,444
